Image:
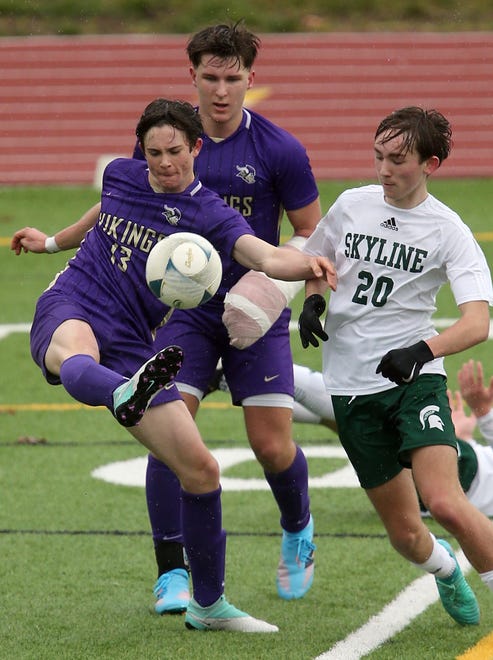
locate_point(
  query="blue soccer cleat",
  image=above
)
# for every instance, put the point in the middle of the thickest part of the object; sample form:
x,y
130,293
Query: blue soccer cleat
x,y
132,398
295,569
223,616
456,595
172,592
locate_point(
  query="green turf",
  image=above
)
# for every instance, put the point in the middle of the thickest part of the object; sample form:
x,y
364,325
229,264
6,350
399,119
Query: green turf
x,y
77,563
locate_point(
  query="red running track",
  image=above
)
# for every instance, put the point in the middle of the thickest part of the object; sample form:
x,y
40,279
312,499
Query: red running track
x,y
65,101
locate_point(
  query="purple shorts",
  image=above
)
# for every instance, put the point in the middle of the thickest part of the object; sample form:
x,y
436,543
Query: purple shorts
x,y
266,367
122,348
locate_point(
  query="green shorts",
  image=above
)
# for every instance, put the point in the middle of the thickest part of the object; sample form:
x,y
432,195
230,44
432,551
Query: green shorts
x,y
379,431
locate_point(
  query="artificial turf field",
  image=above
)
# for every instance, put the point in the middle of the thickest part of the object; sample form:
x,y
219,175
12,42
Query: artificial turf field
x,y
77,565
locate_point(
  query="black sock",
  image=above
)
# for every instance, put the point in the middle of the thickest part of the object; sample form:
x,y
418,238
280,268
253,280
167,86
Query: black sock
x,y
169,555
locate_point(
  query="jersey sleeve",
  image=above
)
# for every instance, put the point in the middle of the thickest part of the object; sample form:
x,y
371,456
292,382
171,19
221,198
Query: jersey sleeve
x,y
467,268
295,180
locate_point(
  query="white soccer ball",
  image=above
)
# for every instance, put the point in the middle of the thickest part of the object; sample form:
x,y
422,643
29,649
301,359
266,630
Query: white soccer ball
x,y
184,270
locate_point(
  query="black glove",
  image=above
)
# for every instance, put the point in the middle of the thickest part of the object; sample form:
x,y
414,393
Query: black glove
x,y
402,365
309,322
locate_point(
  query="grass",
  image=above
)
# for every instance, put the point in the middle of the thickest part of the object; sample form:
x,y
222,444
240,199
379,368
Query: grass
x,y
152,16
77,563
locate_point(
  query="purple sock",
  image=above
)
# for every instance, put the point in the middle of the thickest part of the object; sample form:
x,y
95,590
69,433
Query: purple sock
x,y
205,544
89,382
290,489
163,493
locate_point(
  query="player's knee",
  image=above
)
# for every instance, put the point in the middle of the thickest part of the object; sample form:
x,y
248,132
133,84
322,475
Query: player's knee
x,y
202,477
445,511
404,539
274,455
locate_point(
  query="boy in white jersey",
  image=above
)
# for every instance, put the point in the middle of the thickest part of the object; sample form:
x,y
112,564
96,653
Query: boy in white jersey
x,y
394,245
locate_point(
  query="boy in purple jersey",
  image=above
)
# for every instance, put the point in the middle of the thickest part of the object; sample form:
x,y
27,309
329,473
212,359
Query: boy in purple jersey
x,y
93,329
261,170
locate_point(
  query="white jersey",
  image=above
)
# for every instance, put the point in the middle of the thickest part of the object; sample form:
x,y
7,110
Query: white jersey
x,y
485,424
480,492
390,263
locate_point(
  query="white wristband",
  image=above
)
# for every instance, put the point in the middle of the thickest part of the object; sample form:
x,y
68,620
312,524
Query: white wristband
x,y
51,245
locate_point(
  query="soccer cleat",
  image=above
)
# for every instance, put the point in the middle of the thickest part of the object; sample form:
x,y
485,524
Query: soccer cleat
x,y
295,569
172,593
456,595
223,616
132,398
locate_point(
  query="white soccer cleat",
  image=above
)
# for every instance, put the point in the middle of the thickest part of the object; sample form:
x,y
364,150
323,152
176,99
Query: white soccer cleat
x,y
221,615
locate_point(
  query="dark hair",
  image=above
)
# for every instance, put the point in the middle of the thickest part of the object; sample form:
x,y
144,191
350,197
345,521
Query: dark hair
x,y
224,42
179,114
427,132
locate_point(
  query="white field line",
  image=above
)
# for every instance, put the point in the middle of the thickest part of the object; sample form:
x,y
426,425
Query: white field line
x,y
394,617
10,328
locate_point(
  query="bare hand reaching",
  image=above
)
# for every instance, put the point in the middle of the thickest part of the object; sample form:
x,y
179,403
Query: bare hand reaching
x,y
28,239
464,424
475,393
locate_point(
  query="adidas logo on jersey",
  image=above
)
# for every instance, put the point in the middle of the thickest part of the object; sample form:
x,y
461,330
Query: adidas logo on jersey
x,y
390,224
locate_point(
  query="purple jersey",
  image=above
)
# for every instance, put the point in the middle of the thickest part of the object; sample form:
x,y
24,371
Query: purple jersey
x,y
106,276
260,170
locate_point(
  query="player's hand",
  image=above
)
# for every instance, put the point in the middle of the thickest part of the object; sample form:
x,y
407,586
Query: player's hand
x,y
309,325
402,365
464,424
28,239
475,393
325,269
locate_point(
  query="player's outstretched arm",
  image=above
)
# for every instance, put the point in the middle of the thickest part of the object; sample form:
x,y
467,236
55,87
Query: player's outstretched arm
x,y
281,263
30,239
403,365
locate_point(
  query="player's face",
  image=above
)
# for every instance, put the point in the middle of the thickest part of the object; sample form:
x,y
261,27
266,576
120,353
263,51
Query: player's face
x,y
402,175
221,87
169,158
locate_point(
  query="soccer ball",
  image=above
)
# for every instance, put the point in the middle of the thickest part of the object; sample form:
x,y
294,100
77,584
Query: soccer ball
x,y
184,270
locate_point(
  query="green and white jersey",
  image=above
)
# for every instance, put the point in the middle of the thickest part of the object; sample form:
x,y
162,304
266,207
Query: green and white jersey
x,y
390,263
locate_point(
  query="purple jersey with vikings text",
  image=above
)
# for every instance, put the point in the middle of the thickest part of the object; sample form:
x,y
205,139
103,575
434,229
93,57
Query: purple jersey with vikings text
x,y
106,276
260,170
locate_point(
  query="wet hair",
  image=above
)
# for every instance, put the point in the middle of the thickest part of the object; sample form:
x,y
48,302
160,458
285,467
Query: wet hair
x,y
179,114
224,42
427,132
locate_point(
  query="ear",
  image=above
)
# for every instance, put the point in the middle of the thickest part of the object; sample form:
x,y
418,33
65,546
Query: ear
x,y
193,74
251,76
197,147
431,165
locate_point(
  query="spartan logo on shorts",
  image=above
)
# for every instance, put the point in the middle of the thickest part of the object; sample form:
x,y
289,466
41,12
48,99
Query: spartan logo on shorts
x,y
428,415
